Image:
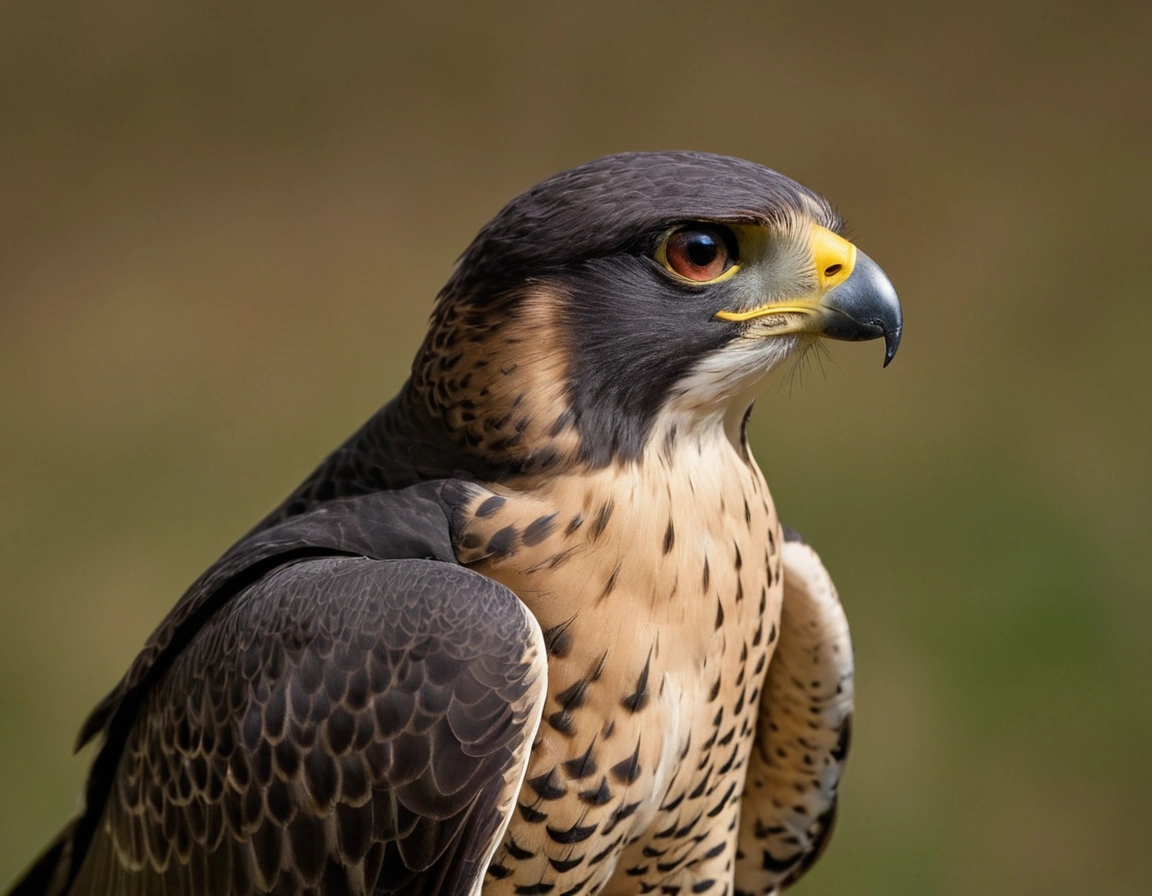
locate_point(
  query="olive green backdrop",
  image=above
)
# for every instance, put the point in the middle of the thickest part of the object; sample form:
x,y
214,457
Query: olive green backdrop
x,y
222,227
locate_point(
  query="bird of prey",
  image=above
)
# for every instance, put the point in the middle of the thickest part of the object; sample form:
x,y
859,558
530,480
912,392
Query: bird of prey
x,y
535,628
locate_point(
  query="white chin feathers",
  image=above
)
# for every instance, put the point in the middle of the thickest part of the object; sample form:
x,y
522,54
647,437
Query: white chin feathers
x,y
720,387
718,378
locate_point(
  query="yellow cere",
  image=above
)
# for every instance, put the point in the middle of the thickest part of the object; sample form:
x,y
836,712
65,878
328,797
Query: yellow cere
x,y
833,256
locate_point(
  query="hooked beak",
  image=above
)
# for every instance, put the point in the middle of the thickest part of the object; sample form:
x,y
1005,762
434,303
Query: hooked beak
x,y
854,299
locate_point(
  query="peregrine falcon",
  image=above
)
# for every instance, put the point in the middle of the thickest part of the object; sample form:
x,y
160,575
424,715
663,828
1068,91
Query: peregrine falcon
x,y
535,628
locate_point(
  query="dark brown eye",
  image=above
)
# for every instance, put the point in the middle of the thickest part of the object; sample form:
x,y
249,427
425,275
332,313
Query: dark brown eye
x,y
700,253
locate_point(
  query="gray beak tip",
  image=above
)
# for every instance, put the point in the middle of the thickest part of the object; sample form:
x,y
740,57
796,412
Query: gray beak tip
x,y
891,343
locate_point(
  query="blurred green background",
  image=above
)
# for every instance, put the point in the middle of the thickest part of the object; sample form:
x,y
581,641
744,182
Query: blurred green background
x,y
222,227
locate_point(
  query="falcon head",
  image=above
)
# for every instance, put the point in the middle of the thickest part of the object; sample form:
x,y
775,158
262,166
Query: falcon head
x,y
640,289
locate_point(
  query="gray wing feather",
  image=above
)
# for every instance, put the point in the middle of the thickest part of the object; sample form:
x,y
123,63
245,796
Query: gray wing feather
x,y
343,726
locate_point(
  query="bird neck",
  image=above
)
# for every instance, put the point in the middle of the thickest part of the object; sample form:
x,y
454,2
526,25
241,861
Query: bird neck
x,y
494,384
413,439
488,400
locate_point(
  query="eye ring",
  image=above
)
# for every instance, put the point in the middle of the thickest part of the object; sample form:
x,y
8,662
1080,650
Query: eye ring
x,y
700,253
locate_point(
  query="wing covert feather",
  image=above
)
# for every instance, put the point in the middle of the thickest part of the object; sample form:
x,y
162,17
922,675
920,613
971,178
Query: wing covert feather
x,y
345,725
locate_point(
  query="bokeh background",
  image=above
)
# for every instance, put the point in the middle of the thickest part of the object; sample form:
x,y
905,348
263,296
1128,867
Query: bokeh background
x,y
222,227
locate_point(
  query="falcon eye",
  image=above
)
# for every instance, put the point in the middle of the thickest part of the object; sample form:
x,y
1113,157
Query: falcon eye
x,y
699,253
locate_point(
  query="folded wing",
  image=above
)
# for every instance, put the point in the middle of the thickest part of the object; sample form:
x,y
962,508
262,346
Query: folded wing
x,y
803,733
